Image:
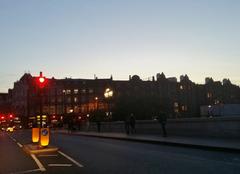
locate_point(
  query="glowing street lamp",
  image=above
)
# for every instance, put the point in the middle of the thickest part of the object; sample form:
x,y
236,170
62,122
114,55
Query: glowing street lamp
x,y
96,99
108,94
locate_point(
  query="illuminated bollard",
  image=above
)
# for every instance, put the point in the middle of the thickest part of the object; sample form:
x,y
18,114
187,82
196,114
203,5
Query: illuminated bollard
x,y
35,135
44,137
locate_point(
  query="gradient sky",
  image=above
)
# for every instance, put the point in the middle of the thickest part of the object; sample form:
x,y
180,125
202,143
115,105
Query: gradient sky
x,y
80,38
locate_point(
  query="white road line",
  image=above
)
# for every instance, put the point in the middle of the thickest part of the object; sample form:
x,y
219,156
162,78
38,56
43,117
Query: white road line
x,y
12,138
59,165
41,167
20,145
47,155
71,159
27,171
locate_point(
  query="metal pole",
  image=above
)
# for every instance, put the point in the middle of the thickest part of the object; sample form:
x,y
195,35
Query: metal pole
x,y
41,109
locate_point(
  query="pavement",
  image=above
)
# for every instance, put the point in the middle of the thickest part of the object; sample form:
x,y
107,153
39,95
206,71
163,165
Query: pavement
x,y
19,155
230,145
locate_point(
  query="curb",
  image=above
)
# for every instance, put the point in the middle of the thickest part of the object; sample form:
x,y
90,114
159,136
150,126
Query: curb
x,y
167,143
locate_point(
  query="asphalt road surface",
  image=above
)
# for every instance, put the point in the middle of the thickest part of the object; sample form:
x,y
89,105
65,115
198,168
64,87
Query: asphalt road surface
x,y
88,155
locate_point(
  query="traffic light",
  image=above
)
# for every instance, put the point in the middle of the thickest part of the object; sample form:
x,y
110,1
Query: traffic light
x,y
41,81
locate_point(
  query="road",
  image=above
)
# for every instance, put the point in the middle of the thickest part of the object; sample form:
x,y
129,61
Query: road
x,y
106,156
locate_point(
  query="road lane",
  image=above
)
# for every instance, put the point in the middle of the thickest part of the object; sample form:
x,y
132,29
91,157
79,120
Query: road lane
x,y
50,162
116,156
12,158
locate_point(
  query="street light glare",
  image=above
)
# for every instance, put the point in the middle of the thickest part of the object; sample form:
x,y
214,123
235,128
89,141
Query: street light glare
x,y
108,93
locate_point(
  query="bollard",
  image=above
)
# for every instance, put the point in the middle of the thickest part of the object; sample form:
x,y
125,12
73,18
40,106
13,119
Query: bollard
x,y
35,135
44,137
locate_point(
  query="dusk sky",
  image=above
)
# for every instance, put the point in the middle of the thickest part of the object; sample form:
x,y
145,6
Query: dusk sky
x,y
80,38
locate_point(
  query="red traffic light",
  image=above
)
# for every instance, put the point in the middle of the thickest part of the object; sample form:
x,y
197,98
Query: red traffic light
x,y
41,81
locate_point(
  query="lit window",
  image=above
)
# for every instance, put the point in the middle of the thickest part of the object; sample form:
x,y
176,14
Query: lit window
x,y
175,104
83,91
75,91
181,87
68,91
64,91
184,108
75,99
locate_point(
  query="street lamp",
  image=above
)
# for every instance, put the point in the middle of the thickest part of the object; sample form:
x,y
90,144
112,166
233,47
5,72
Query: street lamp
x,y
96,99
108,94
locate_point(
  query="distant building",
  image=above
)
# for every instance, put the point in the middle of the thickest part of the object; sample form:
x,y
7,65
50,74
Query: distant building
x,y
5,105
80,97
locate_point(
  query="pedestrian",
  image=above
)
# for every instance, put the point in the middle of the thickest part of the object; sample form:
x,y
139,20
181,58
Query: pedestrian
x,y
87,125
163,121
132,124
127,123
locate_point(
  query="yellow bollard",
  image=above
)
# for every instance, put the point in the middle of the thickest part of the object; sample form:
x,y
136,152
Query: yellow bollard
x,y
35,135
44,137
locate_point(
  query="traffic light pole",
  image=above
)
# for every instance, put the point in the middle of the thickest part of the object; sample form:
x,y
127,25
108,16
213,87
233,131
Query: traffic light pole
x,y
43,133
41,108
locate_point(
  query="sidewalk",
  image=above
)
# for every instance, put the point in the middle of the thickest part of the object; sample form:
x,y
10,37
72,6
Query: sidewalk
x,y
202,143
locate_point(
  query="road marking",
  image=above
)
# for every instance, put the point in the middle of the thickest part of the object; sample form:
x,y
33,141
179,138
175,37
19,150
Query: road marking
x,y
59,165
27,171
71,159
41,167
20,145
12,138
47,155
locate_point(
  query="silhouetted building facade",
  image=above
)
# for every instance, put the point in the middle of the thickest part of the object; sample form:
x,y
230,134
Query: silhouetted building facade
x,y
144,99
5,104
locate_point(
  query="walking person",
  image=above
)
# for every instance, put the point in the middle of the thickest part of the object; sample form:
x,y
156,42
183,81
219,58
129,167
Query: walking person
x,y
132,124
163,121
87,125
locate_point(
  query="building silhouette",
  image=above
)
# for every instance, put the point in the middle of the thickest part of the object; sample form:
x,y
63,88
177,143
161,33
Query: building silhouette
x,y
145,99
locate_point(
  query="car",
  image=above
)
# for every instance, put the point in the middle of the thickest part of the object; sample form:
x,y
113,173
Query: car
x,y
10,129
